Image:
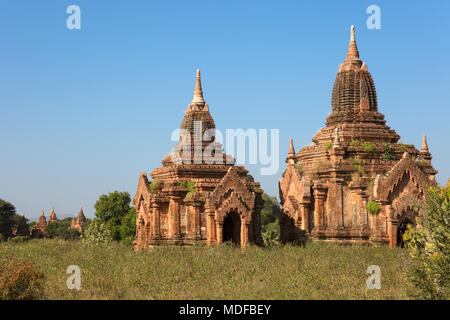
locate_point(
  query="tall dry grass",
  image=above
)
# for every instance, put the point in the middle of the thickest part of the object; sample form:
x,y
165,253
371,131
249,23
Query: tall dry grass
x,y
316,271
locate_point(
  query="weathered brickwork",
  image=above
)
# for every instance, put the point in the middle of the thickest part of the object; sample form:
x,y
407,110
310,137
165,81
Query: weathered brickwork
x,y
198,202
356,158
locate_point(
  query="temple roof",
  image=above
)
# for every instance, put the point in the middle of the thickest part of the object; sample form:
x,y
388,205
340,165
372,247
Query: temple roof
x,y
197,112
354,89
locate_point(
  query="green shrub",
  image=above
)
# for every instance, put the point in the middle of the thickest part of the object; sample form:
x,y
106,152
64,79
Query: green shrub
x,y
373,207
20,280
430,246
155,184
355,143
96,234
387,152
299,167
368,147
19,239
61,229
328,145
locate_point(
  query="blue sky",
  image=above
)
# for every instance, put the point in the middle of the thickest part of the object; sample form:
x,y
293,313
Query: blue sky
x,y
84,111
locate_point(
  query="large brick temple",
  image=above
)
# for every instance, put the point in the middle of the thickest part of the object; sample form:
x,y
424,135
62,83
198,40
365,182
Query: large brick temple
x,y
356,182
198,195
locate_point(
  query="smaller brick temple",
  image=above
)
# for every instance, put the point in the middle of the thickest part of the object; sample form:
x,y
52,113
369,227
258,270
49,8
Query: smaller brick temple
x,y
79,222
356,182
198,195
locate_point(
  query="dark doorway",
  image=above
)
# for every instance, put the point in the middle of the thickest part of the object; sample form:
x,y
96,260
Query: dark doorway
x,y
232,228
402,227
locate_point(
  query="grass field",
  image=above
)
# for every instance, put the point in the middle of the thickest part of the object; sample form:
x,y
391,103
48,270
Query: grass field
x,y
316,271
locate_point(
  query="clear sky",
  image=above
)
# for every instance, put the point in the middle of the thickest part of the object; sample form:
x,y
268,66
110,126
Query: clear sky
x,y
84,111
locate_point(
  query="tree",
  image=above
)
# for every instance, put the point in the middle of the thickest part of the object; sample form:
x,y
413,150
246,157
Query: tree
x,y
115,212
128,227
7,212
96,234
429,243
61,229
270,227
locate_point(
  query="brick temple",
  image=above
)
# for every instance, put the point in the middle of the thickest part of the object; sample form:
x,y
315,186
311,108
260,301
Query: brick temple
x,y
355,160
198,195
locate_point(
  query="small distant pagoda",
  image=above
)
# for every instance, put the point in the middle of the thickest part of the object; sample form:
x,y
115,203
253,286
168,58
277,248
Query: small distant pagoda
x,y
356,182
198,195
79,222
38,231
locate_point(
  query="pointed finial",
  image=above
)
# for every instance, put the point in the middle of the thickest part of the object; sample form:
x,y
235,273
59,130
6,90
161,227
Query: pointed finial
x,y
352,58
424,148
198,93
336,141
42,213
291,148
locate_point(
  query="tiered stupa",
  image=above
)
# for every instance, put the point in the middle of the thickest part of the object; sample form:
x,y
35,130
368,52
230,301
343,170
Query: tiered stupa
x,y
79,222
38,231
357,182
198,195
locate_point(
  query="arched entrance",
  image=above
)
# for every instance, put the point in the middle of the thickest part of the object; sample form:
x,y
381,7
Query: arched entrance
x,y
232,228
408,218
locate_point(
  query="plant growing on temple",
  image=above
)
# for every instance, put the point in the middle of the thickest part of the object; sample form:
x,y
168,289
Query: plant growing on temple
x,y
368,147
328,145
358,165
429,246
373,207
355,143
155,184
96,234
387,152
115,212
190,186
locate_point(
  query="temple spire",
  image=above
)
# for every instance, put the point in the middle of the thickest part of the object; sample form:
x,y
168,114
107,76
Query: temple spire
x,y
291,148
198,93
352,59
424,148
291,153
42,213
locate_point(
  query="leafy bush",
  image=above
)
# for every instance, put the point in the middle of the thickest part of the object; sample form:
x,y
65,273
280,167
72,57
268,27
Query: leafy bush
x,y
368,147
7,212
113,210
387,152
271,234
155,184
328,145
96,234
355,143
190,186
430,246
373,207
61,229
20,280
19,239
